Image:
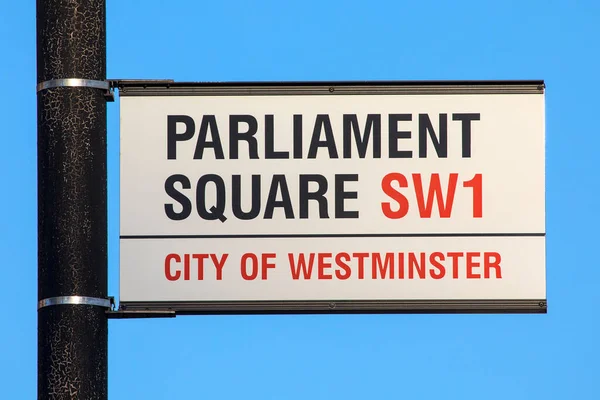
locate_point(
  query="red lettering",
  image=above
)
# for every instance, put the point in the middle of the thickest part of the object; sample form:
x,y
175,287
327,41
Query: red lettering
x,y
341,259
477,184
472,264
400,265
200,258
323,265
414,264
266,264
219,264
186,267
244,266
168,274
301,265
382,268
455,257
492,260
435,190
440,270
410,265
386,185
361,263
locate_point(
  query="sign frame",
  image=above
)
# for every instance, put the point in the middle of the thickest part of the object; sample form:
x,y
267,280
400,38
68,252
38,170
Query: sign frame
x,y
170,88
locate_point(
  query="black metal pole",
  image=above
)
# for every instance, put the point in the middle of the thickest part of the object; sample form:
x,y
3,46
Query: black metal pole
x,y
72,219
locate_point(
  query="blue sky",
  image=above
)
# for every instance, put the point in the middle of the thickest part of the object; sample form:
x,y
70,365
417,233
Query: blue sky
x,y
552,356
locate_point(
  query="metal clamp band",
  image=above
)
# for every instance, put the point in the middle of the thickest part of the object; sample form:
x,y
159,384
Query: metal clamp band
x,y
73,82
60,300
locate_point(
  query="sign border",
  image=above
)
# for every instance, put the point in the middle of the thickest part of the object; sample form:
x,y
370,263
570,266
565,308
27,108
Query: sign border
x,y
145,88
170,88
534,306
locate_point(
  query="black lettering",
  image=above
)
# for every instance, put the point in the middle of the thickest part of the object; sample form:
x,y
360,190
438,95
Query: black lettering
x,y
236,198
341,195
209,122
466,131
322,123
285,202
173,137
441,144
270,152
186,204
297,136
395,134
373,124
318,195
235,136
216,211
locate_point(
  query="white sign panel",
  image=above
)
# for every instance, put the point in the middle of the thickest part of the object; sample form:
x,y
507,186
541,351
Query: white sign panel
x,y
391,200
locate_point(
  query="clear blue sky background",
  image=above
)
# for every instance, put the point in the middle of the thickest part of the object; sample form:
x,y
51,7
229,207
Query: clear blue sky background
x,y
553,356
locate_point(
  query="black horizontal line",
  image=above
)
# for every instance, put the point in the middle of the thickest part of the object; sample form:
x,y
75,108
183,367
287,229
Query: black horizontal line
x,y
332,235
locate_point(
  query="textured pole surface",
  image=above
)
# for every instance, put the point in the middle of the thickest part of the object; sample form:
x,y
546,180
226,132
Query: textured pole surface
x,y
72,237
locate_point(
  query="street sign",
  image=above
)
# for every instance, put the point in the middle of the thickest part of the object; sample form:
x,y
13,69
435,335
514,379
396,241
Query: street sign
x,y
333,197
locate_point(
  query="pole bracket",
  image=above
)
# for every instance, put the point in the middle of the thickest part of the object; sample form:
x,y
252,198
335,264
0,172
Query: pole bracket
x,y
76,82
74,300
